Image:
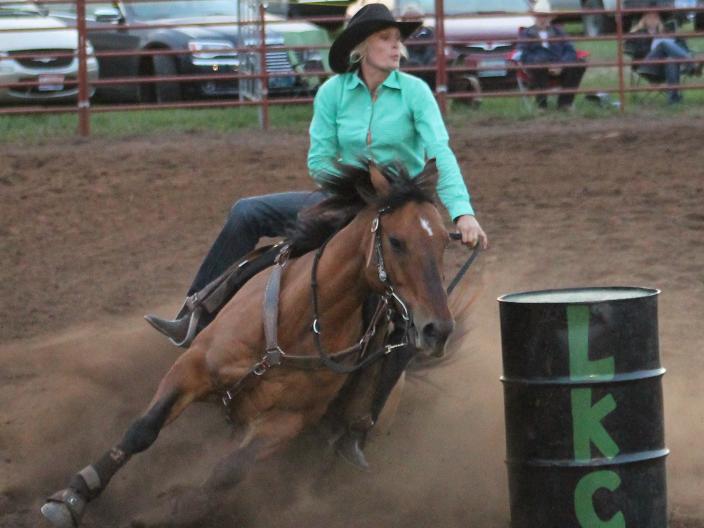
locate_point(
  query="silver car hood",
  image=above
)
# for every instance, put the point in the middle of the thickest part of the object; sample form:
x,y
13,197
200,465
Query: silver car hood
x,y
55,34
487,28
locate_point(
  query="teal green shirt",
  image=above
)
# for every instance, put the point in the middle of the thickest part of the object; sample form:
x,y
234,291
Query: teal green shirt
x,y
404,124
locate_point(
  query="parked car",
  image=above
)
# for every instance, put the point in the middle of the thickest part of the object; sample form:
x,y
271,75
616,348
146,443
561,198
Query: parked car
x,y
603,23
209,49
51,72
484,44
311,8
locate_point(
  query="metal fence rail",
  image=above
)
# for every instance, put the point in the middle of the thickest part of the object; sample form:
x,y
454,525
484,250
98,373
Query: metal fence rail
x,y
441,70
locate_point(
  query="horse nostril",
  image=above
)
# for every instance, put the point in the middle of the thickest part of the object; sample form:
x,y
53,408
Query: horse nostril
x,y
436,332
430,333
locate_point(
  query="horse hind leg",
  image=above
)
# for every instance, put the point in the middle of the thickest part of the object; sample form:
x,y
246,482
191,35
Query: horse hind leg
x,y
186,381
65,508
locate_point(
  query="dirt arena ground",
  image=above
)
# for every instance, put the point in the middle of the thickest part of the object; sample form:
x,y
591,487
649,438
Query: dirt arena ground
x,y
93,234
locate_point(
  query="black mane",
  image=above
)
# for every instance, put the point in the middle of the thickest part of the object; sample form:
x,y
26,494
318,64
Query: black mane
x,y
351,190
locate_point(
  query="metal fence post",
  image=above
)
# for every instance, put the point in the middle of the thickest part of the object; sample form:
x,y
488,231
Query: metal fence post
x,y
83,95
264,108
441,72
619,47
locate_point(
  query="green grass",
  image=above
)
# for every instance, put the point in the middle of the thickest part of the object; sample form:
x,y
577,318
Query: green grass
x,y
33,128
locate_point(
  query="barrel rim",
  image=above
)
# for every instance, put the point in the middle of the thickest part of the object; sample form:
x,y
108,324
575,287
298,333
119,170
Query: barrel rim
x,y
508,298
619,460
622,377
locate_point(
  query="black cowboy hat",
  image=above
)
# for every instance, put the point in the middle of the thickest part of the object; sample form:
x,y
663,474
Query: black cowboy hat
x,y
368,20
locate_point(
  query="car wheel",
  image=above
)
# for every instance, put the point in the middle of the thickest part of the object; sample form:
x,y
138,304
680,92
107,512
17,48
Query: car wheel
x,y
166,92
598,24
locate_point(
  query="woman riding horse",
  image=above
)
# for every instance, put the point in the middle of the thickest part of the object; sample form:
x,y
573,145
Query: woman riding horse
x,y
370,110
271,368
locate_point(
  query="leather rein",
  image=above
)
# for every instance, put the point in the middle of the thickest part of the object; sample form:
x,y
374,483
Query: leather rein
x,y
389,304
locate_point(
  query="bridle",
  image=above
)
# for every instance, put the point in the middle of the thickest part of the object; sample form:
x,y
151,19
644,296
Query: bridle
x,y
391,306
390,303
273,354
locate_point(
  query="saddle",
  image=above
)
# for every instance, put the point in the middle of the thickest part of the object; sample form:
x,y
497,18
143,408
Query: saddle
x,y
216,294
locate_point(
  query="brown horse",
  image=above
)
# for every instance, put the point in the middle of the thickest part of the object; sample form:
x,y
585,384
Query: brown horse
x,y
387,238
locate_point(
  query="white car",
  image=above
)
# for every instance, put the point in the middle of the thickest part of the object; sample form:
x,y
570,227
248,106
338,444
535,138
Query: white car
x,y
48,36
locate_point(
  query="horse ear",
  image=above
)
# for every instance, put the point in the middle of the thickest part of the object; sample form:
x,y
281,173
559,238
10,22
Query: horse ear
x,y
379,182
430,173
428,178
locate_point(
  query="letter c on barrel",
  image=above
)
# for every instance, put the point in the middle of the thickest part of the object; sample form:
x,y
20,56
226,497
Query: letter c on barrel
x,y
584,500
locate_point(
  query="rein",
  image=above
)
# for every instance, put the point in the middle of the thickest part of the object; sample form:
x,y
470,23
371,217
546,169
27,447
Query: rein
x,y
463,269
275,356
389,304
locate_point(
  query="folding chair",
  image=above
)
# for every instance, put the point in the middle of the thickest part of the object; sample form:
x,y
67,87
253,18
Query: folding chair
x,y
640,73
638,76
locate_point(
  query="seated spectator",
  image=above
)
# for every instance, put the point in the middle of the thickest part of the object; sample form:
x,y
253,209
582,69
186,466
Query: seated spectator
x,y
658,48
553,53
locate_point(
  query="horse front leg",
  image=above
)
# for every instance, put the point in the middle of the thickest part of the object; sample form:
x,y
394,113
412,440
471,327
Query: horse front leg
x,y
264,436
186,381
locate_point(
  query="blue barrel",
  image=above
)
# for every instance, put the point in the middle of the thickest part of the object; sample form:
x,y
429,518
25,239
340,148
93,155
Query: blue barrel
x,y
582,379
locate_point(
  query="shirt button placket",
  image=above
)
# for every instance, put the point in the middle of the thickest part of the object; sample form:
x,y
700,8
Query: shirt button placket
x,y
369,129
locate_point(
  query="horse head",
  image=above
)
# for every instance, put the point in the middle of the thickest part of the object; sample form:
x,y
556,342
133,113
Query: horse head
x,y
405,253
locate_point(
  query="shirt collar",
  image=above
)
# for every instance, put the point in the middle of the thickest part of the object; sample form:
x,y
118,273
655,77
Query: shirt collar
x,y
354,80
392,81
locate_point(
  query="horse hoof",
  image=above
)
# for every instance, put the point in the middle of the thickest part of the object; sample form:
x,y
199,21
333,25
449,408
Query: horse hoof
x,y
64,509
58,515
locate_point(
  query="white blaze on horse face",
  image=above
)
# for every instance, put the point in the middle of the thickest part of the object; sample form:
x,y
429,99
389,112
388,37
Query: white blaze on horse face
x,y
426,225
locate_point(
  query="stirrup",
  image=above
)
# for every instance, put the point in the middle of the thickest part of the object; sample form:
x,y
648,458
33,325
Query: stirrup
x,y
174,329
64,508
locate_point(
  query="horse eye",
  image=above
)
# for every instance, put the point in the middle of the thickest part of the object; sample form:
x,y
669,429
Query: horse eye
x,y
396,244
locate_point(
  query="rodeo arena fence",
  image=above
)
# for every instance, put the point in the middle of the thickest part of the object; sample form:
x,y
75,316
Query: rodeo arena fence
x,y
255,71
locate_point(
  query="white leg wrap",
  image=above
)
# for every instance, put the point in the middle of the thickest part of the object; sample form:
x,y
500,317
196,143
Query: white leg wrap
x,y
91,478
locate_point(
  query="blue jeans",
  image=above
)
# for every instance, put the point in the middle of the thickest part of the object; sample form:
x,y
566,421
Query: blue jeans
x,y
249,220
670,49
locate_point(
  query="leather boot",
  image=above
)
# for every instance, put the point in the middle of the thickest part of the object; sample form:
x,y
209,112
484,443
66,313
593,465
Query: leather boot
x,y
180,331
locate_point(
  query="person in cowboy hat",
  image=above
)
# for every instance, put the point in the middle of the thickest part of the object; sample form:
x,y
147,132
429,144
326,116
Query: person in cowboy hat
x,y
370,110
373,109
537,47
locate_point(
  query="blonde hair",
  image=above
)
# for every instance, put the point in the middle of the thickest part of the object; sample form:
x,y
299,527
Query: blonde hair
x,y
359,53
646,20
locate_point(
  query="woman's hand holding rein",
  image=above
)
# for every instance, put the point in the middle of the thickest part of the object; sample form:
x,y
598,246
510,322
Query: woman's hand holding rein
x,y
472,233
